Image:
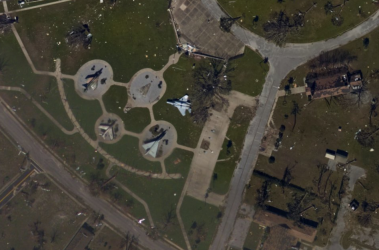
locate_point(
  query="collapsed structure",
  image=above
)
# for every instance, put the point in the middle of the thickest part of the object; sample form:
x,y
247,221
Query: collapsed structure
x,y
333,85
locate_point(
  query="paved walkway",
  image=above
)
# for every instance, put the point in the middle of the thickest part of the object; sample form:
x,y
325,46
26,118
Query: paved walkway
x,y
282,61
18,89
294,91
33,7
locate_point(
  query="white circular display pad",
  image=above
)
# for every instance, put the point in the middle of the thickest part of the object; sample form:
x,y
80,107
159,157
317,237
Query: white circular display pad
x,y
109,128
94,79
158,140
146,88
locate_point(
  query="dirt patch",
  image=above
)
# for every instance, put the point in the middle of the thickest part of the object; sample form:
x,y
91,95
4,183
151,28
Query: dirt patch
x,y
205,144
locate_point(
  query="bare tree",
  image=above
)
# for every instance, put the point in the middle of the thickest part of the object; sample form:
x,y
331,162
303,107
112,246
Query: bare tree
x,y
79,36
366,137
329,7
169,216
278,29
54,235
296,110
365,219
262,194
210,84
337,20
38,233
129,242
6,22
287,177
3,64
226,23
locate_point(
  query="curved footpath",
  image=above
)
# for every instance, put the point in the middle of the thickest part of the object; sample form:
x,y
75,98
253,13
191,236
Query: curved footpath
x,y
75,186
282,61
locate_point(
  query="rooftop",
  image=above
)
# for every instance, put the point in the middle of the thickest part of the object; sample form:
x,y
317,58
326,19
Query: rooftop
x,y
270,219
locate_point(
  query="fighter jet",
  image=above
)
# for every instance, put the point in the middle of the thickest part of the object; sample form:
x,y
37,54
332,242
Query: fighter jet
x,y
151,146
107,130
92,80
182,104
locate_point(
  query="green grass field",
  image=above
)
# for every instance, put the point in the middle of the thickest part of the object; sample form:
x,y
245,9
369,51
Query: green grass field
x,y
107,239
317,125
17,73
126,150
236,133
179,79
54,210
86,112
249,74
200,221
253,237
115,99
10,161
130,35
73,149
178,162
161,196
318,25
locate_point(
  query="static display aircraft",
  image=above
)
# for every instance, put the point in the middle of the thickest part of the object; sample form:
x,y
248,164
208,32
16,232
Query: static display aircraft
x,y
182,104
152,146
92,80
107,130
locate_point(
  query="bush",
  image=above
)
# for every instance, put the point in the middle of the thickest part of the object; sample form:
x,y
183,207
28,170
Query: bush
x,y
271,159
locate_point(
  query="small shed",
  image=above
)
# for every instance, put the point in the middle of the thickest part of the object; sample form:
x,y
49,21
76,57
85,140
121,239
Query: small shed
x,y
330,154
341,156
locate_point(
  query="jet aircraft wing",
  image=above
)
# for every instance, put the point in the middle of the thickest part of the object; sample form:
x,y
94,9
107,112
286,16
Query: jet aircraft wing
x,y
184,98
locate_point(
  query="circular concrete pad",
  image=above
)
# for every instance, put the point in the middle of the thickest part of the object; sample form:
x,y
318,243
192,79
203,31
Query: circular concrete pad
x,y
94,79
165,145
146,88
109,124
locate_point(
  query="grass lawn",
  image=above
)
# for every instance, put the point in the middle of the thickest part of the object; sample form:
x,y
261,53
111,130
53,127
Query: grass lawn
x,y
10,161
318,25
231,149
17,73
55,211
126,150
253,237
136,120
249,74
85,163
107,239
179,80
161,196
317,125
86,112
130,36
280,198
200,220
73,149
179,162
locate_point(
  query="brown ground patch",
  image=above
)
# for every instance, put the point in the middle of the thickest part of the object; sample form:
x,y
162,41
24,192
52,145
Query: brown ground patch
x,y
205,144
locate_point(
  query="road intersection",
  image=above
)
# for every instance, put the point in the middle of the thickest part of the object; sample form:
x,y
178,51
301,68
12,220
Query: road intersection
x,y
282,61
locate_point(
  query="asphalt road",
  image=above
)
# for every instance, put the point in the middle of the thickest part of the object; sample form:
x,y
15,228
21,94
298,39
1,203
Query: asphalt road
x,y
7,194
48,163
282,61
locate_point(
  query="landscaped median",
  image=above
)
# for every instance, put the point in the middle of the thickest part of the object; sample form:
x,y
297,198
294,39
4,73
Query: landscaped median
x,y
231,149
